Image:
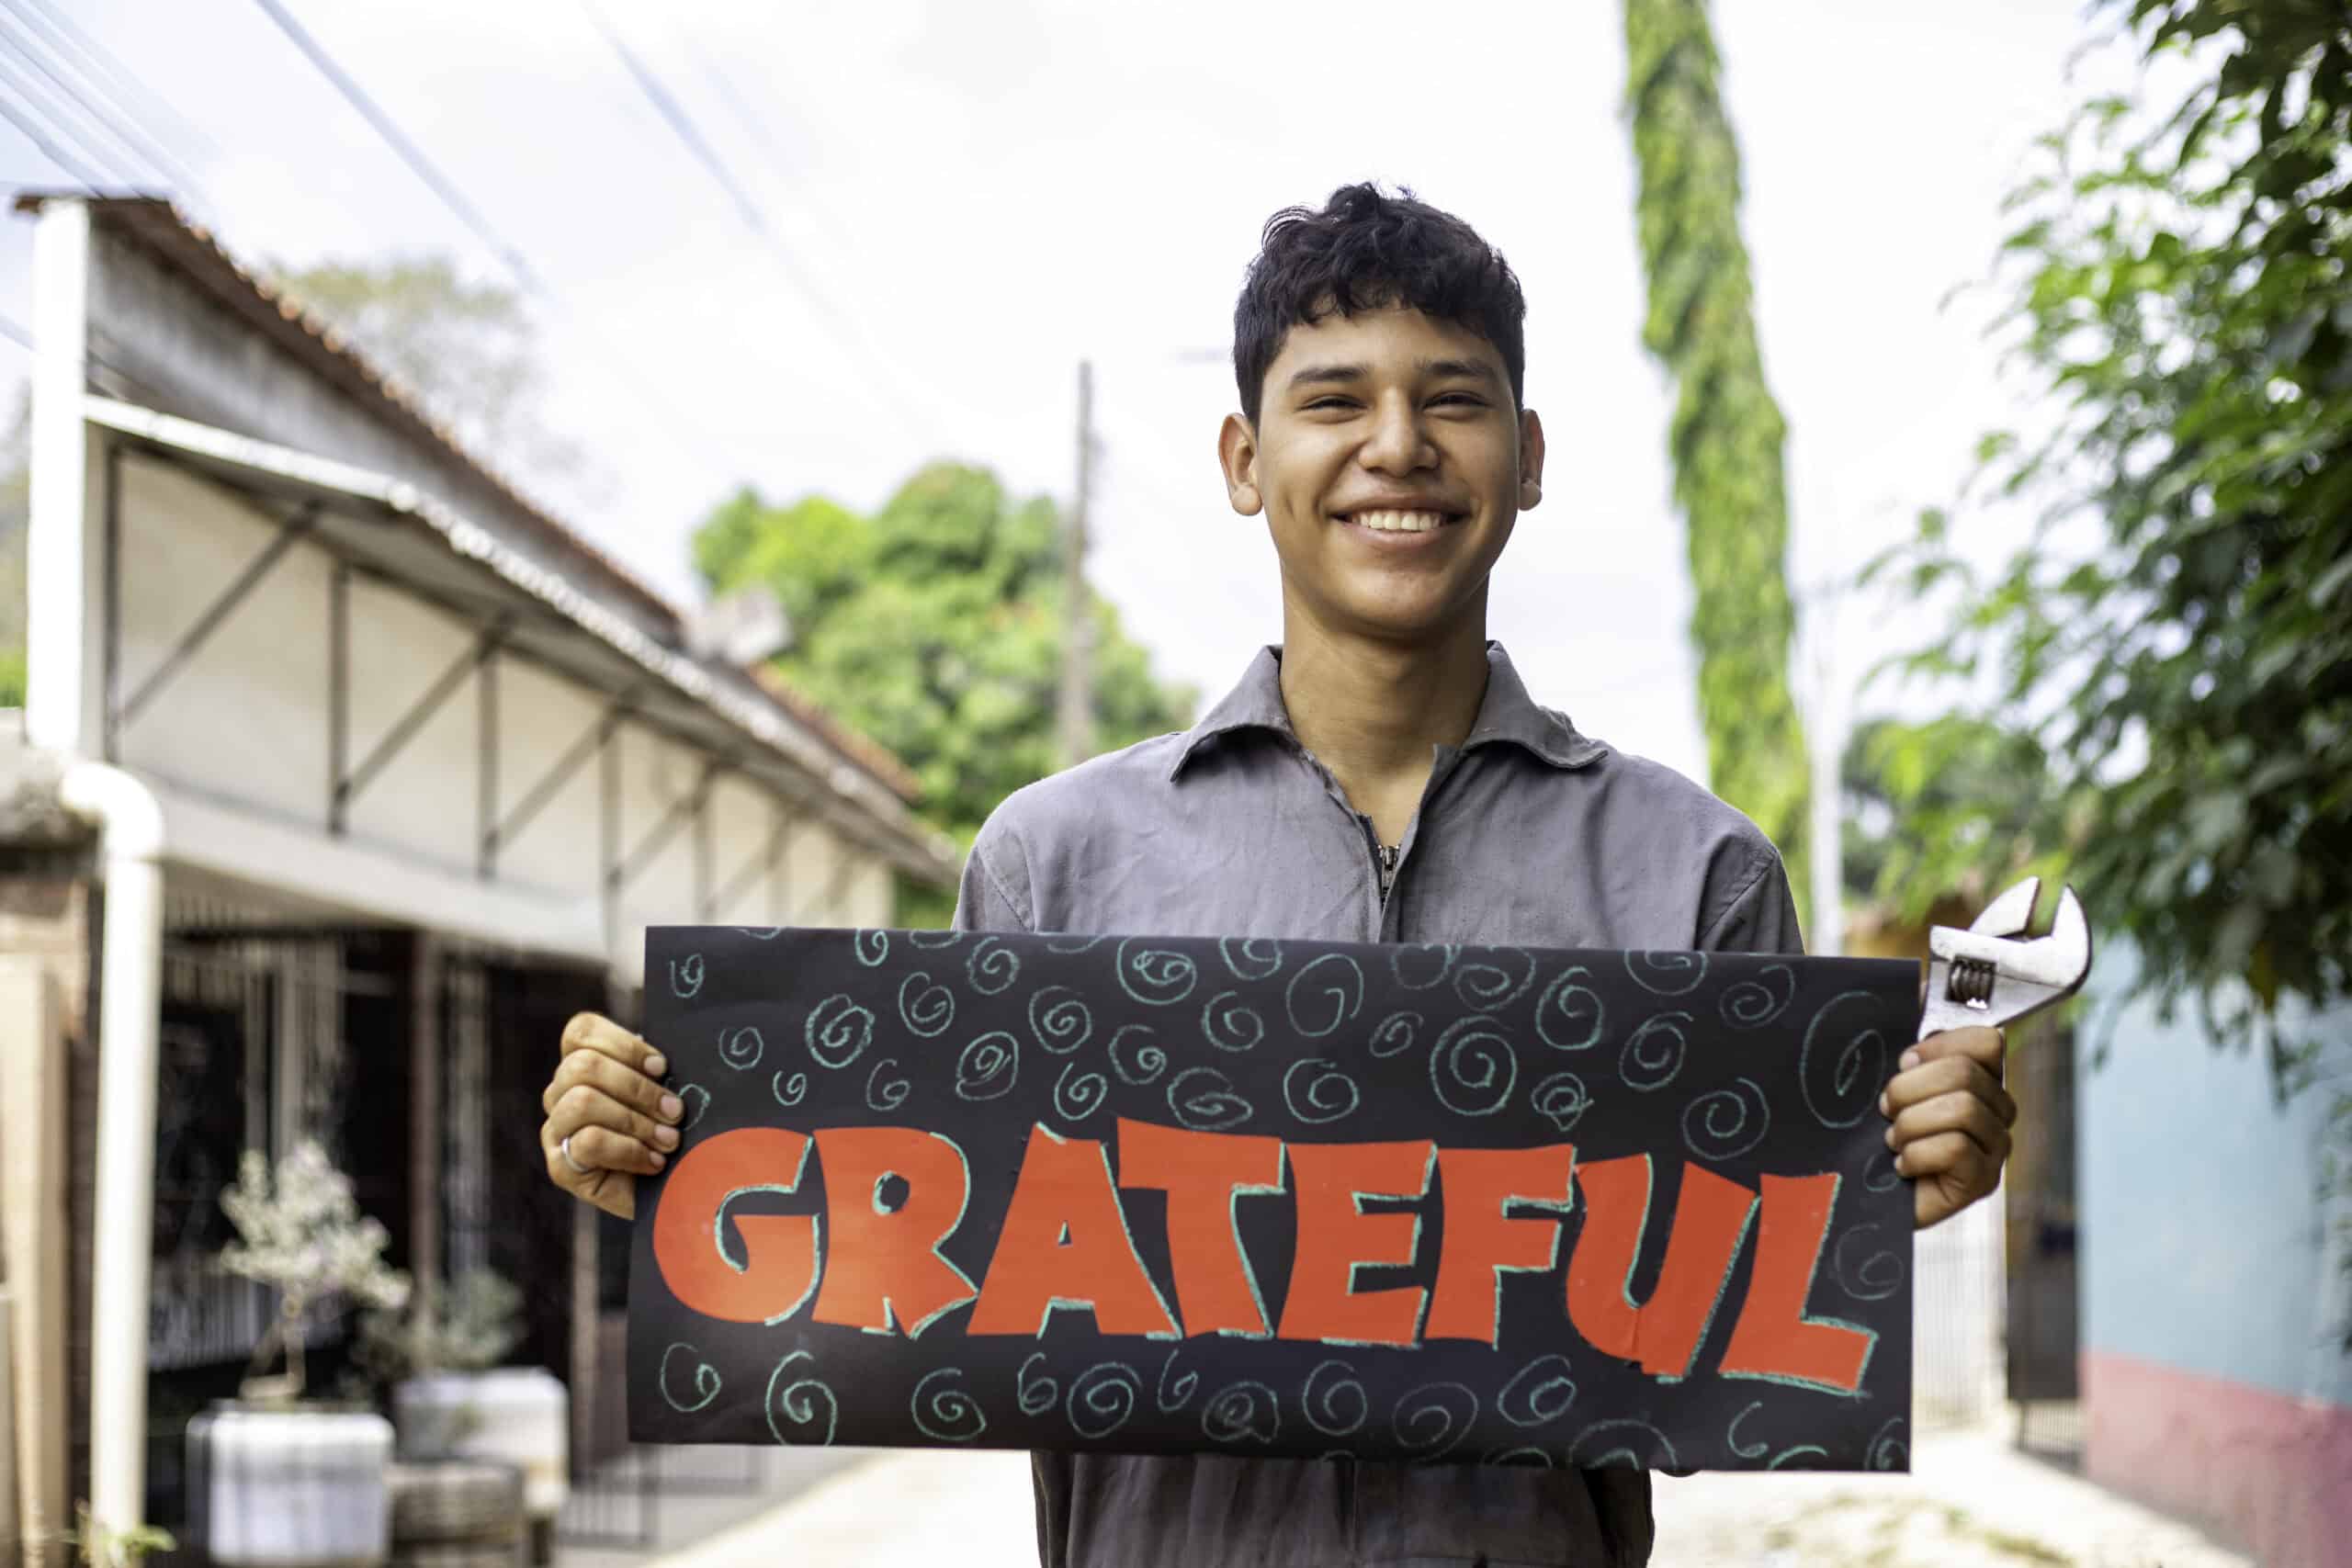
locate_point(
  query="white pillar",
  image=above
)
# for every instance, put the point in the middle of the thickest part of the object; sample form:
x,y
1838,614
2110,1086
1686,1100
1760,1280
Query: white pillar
x,y
61,555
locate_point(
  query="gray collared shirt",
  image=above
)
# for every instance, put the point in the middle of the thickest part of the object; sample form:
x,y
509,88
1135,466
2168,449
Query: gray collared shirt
x,y
1529,834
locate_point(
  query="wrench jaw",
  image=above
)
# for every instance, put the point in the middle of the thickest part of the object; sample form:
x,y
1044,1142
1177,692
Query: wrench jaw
x,y
1992,974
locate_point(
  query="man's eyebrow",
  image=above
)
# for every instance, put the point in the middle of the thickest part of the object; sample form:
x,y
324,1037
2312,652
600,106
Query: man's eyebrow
x,y
1335,375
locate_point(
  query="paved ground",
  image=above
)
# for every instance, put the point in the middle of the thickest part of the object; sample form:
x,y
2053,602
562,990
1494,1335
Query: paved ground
x,y
1971,1502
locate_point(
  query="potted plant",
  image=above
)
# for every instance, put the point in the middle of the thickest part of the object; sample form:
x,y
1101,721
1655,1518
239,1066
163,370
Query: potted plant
x,y
275,1476
452,1401
95,1546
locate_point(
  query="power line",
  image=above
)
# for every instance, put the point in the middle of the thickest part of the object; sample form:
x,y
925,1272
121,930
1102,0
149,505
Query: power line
x,y
683,126
632,375
35,132
44,99
137,138
101,57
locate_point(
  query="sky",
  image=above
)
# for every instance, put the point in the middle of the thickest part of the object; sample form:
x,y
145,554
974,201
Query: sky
x,y
953,201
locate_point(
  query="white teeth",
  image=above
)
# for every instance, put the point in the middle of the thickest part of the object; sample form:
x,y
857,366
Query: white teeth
x,y
1399,522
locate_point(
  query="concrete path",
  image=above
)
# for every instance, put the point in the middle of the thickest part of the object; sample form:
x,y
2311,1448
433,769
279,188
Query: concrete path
x,y
1971,1502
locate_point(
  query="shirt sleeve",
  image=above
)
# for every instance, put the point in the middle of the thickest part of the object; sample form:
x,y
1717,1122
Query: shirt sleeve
x,y
982,903
1762,916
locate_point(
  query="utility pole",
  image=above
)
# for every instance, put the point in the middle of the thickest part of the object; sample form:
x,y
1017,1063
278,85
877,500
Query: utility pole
x,y
1077,707
1825,737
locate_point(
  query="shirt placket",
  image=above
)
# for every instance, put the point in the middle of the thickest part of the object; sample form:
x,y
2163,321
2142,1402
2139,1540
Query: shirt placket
x,y
1388,876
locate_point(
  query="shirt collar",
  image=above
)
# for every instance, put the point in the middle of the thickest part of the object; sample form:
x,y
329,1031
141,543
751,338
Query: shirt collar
x,y
1506,715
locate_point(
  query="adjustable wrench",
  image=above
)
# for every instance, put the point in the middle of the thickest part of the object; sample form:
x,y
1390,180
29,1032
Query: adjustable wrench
x,y
1993,973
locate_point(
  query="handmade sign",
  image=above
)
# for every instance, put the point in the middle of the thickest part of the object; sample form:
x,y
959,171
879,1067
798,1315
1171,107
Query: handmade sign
x,y
1438,1204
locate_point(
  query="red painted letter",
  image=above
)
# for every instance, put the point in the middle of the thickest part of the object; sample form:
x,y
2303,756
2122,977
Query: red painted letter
x,y
885,1264
703,1268
1774,1338
1065,1242
1336,1237
1481,1241
1205,1175
1710,1217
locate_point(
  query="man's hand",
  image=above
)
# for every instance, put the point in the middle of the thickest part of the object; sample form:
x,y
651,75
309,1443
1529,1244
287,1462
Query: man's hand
x,y
607,1097
1951,1120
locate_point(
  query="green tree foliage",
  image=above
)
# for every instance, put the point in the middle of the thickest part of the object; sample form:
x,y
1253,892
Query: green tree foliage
x,y
1951,806
1727,435
2177,635
934,627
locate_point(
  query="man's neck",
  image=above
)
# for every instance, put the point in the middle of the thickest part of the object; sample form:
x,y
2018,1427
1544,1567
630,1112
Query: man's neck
x,y
1370,711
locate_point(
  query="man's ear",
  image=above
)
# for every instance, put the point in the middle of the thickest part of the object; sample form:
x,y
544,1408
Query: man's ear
x,y
1531,458
1237,453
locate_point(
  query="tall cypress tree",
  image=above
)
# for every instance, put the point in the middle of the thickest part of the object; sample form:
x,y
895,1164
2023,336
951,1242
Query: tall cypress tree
x,y
1727,434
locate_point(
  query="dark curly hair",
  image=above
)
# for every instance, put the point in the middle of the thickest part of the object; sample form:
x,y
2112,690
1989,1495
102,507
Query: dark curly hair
x,y
1366,252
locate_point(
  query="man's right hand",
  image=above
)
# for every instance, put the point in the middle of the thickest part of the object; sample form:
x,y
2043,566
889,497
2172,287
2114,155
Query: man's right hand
x,y
607,1097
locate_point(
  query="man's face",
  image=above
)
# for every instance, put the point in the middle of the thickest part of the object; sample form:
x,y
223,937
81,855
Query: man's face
x,y
1390,461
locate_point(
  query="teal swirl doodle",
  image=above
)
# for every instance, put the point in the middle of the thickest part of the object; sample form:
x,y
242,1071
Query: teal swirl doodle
x,y
1624,1456
1524,1458
1667,973
937,940
1840,1087
1542,1389
1184,1386
1149,1059
1753,1003
886,1094
740,1048
1654,1053
1340,992
1787,1458
1078,1095
1079,945
1730,1433
1063,1027
1230,1026
688,1093
838,1031
1875,1278
1487,987
1102,1398
1325,1410
1444,951
1473,1067
945,1415
871,947
760,933
992,968
988,1066
1328,1094
1887,1451
1156,976
706,1382
1242,1411
1570,1016
925,1008
1245,966
1395,1033
1880,1175
1430,1421
1726,1122
1211,1108
1562,1101
1034,1395
788,1091
685,976
799,1402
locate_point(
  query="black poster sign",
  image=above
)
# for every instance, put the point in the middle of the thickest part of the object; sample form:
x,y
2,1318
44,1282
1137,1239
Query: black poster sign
x,y
1438,1204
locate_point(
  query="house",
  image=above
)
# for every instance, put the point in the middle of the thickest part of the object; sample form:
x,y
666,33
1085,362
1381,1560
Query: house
x,y
345,777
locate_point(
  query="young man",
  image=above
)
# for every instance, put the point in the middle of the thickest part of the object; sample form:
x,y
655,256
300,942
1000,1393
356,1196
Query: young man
x,y
1381,775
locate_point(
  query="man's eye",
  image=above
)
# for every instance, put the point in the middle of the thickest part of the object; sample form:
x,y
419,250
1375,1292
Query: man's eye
x,y
1469,400
1329,403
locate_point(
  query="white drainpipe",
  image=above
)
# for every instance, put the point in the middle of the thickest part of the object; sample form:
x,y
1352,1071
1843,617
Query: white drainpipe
x,y
130,1008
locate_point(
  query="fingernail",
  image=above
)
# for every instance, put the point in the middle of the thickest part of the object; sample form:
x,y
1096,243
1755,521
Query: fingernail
x,y
672,1106
656,1065
1910,1060
1889,1138
659,1162
666,1136
1901,1168
1883,1108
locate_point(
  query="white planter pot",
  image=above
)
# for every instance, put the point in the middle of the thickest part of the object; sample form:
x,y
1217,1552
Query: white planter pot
x,y
292,1485
519,1414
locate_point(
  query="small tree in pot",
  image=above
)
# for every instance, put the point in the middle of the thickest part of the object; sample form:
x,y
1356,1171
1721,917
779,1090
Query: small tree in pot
x,y
445,1335
303,1234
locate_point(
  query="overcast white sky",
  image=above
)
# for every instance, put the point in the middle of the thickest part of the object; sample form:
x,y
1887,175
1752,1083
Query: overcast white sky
x,y
987,190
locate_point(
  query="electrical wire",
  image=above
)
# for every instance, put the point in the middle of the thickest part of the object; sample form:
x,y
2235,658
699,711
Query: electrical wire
x,y
33,50
36,131
98,56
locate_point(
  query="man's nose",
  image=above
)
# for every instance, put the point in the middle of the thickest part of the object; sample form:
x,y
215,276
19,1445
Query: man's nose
x,y
1398,443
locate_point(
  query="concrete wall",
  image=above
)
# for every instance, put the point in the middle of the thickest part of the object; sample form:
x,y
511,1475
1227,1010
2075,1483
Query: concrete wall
x,y
2214,1300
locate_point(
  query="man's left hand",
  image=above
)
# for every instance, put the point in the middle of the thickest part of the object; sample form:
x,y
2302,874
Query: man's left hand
x,y
1951,1120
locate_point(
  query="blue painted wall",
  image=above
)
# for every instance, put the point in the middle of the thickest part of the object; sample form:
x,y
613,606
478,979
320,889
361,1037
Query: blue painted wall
x,y
2205,1246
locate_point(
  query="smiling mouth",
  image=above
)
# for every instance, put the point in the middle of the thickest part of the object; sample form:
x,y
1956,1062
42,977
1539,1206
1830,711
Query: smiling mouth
x,y
1389,521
